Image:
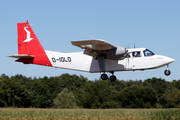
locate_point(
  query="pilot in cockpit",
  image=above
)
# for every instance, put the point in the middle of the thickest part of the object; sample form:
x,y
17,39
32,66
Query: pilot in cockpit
x,y
137,54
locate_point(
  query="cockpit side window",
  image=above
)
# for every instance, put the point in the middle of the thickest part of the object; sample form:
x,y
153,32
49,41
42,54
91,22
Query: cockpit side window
x,y
137,54
148,53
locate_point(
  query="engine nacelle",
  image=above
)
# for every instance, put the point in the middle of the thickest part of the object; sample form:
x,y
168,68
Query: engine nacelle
x,y
116,53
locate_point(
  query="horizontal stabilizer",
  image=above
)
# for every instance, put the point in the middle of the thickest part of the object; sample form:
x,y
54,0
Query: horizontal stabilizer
x,y
21,56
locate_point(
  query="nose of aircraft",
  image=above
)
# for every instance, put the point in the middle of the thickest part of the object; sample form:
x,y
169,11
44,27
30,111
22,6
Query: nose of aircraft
x,y
169,60
163,60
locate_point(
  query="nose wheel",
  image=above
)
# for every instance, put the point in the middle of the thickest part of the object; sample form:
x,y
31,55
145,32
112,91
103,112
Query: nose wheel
x,y
167,72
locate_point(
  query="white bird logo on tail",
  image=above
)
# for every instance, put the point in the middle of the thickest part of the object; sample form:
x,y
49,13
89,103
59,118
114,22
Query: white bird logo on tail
x,y
28,35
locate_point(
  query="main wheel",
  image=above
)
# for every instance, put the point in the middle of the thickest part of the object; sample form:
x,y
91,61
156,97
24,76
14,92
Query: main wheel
x,y
167,72
104,77
112,78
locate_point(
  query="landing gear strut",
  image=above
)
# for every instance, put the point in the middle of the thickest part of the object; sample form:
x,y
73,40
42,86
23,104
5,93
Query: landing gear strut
x,y
167,72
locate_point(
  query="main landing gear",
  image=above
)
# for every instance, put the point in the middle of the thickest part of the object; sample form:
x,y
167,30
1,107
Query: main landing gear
x,y
105,77
102,67
167,72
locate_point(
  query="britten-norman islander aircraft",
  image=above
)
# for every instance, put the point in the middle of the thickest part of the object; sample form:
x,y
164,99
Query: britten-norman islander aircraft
x,y
98,56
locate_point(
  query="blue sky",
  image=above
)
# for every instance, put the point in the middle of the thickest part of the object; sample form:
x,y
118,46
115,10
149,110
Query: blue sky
x,y
149,23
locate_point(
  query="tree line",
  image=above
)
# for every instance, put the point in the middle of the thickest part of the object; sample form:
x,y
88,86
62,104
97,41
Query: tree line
x,y
72,91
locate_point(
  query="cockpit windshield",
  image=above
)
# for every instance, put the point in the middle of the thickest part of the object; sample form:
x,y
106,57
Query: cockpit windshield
x,y
148,53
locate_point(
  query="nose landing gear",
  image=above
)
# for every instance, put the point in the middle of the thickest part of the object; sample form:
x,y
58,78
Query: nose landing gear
x,y
167,72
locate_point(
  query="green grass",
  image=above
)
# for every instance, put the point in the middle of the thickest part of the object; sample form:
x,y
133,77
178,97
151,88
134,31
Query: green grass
x,y
89,114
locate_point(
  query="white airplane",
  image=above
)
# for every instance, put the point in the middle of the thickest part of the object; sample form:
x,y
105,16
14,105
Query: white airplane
x,y
98,56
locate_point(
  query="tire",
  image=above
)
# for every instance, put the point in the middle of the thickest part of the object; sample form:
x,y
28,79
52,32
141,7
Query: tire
x,y
167,72
112,78
104,77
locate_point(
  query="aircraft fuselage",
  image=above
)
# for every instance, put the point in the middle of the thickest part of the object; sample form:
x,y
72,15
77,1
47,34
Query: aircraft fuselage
x,y
82,62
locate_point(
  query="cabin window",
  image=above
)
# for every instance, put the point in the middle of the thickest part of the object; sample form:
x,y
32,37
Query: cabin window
x,y
148,53
137,54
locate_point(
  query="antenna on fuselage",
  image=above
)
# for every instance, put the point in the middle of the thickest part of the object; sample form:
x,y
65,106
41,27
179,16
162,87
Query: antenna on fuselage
x,y
134,45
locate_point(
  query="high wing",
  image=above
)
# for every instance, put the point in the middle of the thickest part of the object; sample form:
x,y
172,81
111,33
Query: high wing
x,y
97,48
96,45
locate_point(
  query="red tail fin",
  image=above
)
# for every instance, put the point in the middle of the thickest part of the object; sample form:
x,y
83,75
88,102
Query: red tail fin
x,y
29,45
